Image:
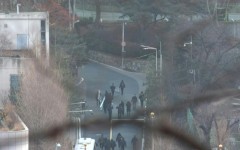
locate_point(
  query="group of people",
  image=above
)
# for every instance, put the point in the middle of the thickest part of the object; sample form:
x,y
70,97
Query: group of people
x,y
107,104
130,105
121,87
107,144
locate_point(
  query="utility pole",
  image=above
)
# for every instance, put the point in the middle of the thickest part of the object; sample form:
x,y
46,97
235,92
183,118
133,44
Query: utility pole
x,y
152,48
70,12
123,42
74,11
160,61
160,70
192,71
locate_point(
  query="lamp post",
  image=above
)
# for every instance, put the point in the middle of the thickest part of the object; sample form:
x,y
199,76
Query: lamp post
x,y
123,44
192,70
189,43
234,28
69,13
74,23
152,115
74,11
18,8
160,62
151,48
220,147
58,145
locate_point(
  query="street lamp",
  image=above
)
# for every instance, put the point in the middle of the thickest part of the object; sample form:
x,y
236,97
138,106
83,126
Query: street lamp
x,y
81,80
58,145
74,23
161,65
151,48
234,30
220,147
152,115
192,71
18,8
189,43
123,44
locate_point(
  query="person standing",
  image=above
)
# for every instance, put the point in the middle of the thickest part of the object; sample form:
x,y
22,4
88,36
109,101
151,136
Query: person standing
x,y
101,141
112,87
128,105
105,105
122,107
141,97
106,102
107,144
118,139
123,143
113,144
110,108
134,102
122,86
98,97
119,111
134,142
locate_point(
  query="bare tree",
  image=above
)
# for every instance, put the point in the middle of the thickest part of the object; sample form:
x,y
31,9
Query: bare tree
x,y
43,104
5,42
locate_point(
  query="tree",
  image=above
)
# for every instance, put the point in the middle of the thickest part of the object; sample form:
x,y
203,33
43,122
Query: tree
x,y
5,42
58,15
214,58
70,44
98,11
42,104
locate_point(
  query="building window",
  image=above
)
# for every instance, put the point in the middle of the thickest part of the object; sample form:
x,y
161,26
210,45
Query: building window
x,y
43,32
43,37
14,87
43,27
22,41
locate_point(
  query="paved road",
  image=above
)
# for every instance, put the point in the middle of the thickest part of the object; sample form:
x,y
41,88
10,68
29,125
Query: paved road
x,y
97,76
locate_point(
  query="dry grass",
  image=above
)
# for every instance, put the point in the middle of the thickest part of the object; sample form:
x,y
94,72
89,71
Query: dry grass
x,y
10,120
43,102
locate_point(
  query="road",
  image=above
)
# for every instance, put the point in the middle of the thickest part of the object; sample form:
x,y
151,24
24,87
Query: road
x,y
97,76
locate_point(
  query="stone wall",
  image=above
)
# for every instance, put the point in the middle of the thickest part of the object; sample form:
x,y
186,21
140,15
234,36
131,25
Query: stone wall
x,y
130,64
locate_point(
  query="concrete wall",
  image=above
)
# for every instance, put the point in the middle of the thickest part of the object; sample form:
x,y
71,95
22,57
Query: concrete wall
x,y
27,23
15,140
14,27
11,140
8,66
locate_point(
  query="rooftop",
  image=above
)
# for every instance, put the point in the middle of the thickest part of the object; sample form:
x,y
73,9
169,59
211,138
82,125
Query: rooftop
x,y
24,15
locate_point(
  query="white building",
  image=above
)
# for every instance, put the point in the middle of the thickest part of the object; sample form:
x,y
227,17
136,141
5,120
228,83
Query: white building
x,y
17,138
25,31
